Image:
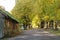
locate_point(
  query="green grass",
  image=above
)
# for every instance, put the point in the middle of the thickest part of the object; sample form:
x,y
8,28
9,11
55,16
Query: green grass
x,y
56,32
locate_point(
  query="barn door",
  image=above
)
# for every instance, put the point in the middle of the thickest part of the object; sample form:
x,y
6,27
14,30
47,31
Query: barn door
x,y
1,27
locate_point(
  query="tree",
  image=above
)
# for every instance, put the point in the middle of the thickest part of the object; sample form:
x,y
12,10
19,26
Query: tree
x,y
46,10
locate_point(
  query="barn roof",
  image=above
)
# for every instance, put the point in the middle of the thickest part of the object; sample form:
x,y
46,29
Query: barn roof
x,y
7,14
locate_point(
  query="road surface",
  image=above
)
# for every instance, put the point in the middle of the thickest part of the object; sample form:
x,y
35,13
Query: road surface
x,y
35,35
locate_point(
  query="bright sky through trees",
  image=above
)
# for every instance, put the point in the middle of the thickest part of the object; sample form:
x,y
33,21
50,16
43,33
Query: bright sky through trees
x,y
7,4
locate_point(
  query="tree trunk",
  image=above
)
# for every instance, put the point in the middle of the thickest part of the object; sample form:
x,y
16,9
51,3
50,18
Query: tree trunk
x,y
42,24
47,25
51,24
56,26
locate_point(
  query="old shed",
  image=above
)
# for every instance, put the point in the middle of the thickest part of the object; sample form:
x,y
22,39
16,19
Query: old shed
x,y
8,24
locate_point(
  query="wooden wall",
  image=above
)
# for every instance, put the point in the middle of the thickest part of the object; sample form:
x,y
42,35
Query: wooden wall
x,y
11,27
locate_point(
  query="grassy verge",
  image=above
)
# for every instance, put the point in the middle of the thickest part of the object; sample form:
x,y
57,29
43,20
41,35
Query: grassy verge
x,y
56,32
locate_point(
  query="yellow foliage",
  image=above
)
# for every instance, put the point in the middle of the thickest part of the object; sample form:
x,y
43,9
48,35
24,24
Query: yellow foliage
x,y
50,1
46,18
35,21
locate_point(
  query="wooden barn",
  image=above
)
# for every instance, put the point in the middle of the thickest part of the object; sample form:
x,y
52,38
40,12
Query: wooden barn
x,y
8,24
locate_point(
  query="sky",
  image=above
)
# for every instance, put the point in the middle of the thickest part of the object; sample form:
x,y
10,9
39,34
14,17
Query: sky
x,y
7,4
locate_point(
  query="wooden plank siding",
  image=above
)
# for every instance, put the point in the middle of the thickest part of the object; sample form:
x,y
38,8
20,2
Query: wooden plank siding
x,y
8,24
11,27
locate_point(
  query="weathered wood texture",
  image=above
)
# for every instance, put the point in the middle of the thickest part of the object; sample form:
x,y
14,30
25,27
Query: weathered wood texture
x,y
11,27
8,24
